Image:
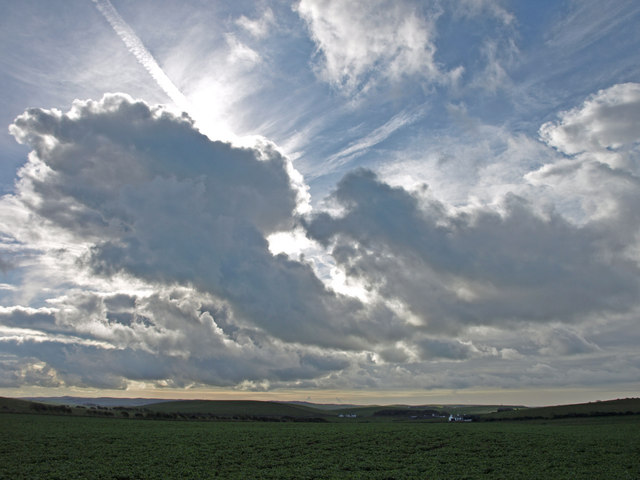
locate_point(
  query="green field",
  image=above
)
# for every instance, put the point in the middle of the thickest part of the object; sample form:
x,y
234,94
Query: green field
x,y
66,447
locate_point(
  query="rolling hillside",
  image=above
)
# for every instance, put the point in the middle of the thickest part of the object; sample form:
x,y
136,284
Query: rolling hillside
x,y
16,405
622,406
237,408
96,401
261,410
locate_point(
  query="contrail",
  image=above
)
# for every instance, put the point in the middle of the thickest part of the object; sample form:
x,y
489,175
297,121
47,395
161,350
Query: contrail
x,y
137,48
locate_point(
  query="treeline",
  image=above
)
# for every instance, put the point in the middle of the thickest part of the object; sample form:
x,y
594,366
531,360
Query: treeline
x,y
211,417
148,414
556,416
42,408
229,418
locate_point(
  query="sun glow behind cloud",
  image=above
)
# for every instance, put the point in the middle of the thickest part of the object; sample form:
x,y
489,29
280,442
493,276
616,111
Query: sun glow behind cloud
x,y
137,49
205,105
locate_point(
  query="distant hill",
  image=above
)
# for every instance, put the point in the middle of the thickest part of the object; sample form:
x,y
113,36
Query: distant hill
x,y
96,401
237,408
624,406
16,405
324,406
409,411
247,410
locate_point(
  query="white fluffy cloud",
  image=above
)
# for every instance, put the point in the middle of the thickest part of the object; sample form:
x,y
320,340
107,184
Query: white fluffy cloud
x,y
361,41
606,127
600,173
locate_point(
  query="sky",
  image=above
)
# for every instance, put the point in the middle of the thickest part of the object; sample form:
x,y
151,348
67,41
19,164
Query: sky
x,y
340,202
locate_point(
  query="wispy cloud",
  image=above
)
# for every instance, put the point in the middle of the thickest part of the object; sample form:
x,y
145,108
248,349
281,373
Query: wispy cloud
x,y
362,145
260,27
363,42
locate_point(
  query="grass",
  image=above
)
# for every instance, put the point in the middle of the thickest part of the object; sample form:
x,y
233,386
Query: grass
x,y
67,447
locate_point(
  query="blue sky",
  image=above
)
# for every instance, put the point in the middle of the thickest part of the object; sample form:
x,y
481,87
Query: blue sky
x,y
362,201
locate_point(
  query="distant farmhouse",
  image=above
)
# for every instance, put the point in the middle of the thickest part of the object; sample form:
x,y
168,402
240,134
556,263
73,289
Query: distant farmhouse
x,y
458,418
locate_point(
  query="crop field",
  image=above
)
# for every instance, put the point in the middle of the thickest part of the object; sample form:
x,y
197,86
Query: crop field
x,y
67,447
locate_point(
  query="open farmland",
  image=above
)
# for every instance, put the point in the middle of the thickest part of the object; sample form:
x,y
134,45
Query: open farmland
x,y
66,447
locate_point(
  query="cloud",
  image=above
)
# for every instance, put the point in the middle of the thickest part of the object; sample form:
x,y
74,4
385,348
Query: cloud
x,y
482,267
378,135
239,52
170,335
150,197
498,57
474,163
26,371
521,284
149,241
259,27
476,7
600,141
362,42
433,348
561,341
603,128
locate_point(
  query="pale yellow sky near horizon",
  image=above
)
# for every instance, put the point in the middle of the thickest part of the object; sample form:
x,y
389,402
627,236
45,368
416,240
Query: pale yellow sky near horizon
x,y
527,397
